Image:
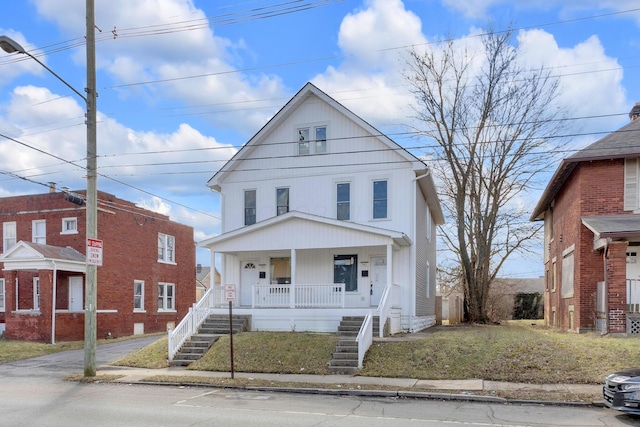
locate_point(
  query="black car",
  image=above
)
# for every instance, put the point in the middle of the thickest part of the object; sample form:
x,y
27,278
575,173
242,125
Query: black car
x,y
621,391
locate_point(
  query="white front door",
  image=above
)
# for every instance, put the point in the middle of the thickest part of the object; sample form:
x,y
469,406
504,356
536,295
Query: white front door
x,y
75,293
378,276
633,265
248,278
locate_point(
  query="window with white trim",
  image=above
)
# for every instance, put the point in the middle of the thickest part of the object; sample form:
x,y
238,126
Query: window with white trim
x,y
567,273
380,199
2,303
343,201
138,295
312,140
166,248
39,231
36,293
249,207
166,297
69,226
8,235
282,200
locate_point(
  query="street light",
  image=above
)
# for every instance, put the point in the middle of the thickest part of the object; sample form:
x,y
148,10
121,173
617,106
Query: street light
x,y
90,323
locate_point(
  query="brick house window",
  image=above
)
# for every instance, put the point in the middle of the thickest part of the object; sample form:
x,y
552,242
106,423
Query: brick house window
x,y
166,248
39,231
166,297
69,226
567,272
2,304
36,293
8,235
138,295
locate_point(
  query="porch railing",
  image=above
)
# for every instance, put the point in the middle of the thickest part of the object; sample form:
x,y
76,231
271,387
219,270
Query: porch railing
x,y
365,338
390,296
633,296
330,295
189,325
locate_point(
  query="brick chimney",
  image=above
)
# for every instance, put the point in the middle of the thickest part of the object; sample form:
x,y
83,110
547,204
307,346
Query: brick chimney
x,y
634,114
52,187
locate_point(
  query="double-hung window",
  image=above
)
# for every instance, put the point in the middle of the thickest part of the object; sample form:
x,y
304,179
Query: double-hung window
x,y
166,297
36,294
69,226
380,209
249,207
138,295
39,231
166,248
282,201
8,235
2,303
343,201
312,140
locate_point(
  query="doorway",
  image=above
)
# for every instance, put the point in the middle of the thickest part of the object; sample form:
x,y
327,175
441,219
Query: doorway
x,y
75,293
248,278
378,275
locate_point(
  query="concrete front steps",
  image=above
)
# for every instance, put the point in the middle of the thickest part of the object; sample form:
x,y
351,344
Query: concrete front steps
x,y
345,356
208,333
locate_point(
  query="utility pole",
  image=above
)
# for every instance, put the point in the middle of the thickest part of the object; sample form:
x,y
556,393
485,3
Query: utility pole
x,y
90,318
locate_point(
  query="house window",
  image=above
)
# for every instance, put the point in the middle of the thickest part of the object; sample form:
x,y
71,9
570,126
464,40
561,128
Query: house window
x,y
343,197
567,273
249,207
138,295
39,231
8,235
166,248
379,199
345,270
69,226
166,297
554,275
280,270
282,200
36,293
2,303
317,145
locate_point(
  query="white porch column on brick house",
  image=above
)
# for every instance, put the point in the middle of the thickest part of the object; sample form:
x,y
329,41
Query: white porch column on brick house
x,y
292,285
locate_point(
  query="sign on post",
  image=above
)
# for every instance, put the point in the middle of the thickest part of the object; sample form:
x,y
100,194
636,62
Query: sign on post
x,y
230,295
230,292
94,252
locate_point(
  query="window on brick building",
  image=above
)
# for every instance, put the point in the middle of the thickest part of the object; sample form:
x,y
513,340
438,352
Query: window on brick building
x,y
567,272
138,295
69,226
2,303
8,235
166,248
36,293
166,297
39,231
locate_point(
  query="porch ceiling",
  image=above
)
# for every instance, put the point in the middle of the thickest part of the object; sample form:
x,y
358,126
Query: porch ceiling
x,y
32,256
296,230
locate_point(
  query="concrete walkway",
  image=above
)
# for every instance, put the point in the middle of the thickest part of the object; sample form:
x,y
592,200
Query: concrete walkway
x,y
440,389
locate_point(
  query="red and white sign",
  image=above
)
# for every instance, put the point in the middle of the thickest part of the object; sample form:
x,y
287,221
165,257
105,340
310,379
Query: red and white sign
x,y
230,292
94,252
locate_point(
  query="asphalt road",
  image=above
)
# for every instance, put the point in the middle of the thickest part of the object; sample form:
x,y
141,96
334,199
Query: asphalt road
x,y
33,393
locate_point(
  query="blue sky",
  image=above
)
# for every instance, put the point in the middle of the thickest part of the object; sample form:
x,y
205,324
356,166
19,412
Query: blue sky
x,y
184,83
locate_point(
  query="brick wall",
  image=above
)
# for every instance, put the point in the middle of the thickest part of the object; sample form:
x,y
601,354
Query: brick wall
x,y
130,236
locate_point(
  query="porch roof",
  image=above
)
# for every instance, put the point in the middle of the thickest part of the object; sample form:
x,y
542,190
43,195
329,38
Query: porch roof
x,y
34,256
616,227
298,230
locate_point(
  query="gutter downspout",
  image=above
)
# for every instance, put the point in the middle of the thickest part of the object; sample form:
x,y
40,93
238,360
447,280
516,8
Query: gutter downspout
x,y
53,302
605,256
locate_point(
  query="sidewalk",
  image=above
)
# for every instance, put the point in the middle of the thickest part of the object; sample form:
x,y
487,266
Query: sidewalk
x,y
343,384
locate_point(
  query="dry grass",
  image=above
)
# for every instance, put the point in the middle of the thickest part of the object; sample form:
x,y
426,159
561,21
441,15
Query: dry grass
x,y
153,356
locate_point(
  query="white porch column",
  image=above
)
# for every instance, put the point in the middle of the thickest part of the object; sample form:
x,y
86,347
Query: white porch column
x,y
292,293
212,279
390,265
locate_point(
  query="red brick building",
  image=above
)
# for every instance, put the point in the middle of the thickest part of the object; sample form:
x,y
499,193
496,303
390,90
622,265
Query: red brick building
x,y
591,213
144,285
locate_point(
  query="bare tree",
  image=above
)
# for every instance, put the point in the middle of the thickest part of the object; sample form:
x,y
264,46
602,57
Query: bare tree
x,y
491,119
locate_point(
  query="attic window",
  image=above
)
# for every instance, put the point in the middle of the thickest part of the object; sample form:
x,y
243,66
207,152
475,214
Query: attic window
x,y
312,140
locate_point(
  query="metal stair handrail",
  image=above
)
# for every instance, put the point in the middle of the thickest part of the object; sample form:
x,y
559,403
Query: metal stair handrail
x,y
189,325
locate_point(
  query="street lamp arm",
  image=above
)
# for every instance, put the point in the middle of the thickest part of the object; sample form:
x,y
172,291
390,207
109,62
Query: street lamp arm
x,y
10,46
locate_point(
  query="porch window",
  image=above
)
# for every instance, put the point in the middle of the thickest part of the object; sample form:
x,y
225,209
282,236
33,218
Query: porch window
x,y
69,226
249,207
567,273
379,199
39,231
343,197
138,295
2,303
281,271
282,200
345,270
36,293
166,297
8,235
166,248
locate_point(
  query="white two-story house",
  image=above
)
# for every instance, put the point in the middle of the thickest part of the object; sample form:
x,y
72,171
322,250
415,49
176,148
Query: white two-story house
x,y
324,217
